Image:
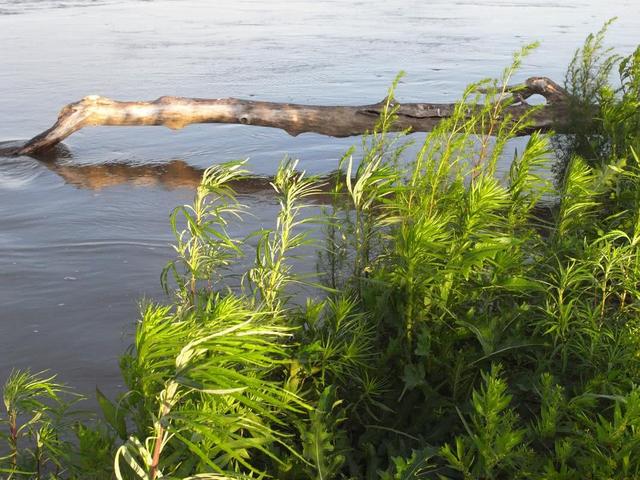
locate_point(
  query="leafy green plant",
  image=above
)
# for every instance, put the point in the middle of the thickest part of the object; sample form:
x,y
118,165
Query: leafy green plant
x,y
35,420
493,445
204,246
470,324
271,273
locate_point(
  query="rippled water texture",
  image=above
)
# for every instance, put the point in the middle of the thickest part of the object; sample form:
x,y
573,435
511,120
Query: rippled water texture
x,y
83,235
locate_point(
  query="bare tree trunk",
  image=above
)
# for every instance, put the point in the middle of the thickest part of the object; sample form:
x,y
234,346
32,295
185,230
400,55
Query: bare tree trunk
x,y
335,121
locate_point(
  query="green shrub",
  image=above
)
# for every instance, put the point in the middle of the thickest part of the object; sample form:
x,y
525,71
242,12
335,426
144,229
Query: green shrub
x,y
464,325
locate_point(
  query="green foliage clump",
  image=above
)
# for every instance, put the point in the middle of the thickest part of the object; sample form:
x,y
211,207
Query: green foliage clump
x,y
464,325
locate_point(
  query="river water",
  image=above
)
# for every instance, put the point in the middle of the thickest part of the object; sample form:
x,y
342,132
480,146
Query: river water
x,y
84,233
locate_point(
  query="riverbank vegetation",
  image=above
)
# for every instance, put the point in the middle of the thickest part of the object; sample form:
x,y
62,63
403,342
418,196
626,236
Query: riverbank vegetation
x,y
461,325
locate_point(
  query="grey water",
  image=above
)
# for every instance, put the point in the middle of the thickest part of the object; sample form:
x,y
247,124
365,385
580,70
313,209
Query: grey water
x,y
84,234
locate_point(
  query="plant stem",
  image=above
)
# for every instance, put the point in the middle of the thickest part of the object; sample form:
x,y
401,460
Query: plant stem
x,y
13,438
157,449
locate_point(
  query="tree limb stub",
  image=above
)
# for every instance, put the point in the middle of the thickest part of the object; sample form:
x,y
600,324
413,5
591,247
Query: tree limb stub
x,y
335,121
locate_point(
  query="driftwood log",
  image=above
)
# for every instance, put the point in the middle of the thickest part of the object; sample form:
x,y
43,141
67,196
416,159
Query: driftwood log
x,y
335,121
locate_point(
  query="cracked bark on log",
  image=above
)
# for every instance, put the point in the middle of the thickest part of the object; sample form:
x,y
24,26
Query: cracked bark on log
x,y
335,121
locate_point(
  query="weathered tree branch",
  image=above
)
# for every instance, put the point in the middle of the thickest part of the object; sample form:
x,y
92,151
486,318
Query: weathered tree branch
x,y
335,121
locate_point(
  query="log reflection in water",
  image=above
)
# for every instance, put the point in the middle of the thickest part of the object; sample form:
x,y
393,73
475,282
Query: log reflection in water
x,y
175,174
170,175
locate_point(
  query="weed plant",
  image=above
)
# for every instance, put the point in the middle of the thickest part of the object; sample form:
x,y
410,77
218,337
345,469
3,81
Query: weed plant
x,y
460,330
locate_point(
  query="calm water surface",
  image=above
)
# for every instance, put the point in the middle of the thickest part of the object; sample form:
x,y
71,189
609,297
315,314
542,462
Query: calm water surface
x,y
84,234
